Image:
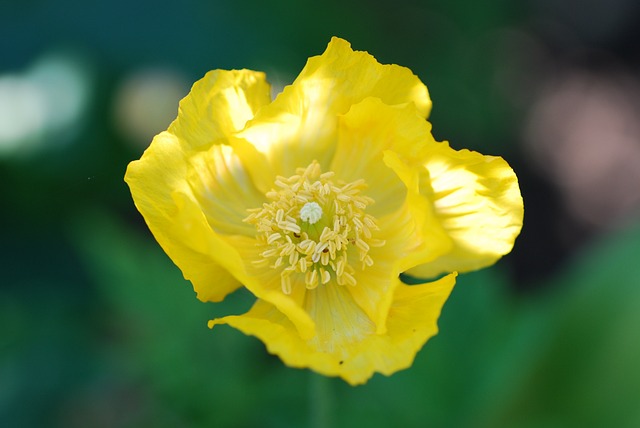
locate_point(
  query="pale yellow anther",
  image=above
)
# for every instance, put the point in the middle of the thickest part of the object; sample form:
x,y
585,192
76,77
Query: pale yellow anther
x,y
340,267
370,222
311,279
326,276
293,258
269,253
362,245
273,237
325,258
349,279
285,281
368,261
323,246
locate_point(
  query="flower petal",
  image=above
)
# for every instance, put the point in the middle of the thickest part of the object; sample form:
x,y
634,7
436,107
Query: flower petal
x,y
346,344
218,105
375,289
222,187
163,195
477,200
265,284
182,173
299,126
349,76
365,132
381,138
385,146
183,203
413,236
429,239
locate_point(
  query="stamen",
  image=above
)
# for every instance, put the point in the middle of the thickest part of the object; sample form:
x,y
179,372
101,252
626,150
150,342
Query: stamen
x,y
308,227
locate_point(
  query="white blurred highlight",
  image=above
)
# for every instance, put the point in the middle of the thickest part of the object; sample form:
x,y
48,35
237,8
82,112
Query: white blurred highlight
x,y
42,107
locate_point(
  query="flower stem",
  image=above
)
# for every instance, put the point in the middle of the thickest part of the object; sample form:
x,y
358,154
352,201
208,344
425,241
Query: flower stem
x,y
321,401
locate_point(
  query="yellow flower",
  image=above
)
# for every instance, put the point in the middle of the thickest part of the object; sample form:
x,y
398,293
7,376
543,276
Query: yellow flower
x,y
317,201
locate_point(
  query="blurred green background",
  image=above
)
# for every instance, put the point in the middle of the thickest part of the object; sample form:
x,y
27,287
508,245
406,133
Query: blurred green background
x,y
97,326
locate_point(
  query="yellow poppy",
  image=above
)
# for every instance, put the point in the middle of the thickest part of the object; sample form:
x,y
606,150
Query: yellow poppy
x,y
317,201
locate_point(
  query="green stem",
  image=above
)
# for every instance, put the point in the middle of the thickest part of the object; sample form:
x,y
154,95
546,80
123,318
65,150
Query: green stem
x,y
321,401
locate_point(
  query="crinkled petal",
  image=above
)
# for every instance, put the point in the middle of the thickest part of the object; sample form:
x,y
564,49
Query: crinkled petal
x,y
350,76
429,239
387,142
222,187
365,132
265,284
185,223
300,125
412,236
190,190
477,200
218,105
162,194
346,344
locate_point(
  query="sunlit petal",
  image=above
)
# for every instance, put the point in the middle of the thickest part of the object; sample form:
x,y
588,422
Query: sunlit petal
x,y
477,200
218,105
299,126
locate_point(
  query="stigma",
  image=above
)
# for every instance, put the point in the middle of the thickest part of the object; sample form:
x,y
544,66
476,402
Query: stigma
x,y
311,212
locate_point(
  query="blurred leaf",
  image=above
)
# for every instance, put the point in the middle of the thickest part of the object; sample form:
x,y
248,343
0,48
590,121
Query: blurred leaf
x,y
582,369
446,374
46,339
566,358
159,330
563,359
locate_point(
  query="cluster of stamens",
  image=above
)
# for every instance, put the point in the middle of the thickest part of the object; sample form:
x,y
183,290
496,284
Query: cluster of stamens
x,y
313,229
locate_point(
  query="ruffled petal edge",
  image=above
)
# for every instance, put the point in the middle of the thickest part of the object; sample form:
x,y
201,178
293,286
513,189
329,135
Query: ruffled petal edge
x,y
412,320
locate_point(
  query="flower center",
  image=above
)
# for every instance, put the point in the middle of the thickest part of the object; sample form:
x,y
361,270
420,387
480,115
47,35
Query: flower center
x,y
314,229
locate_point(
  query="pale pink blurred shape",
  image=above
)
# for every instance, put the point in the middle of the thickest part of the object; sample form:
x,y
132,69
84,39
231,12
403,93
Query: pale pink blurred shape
x,y
584,131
